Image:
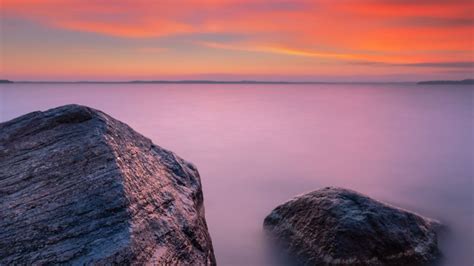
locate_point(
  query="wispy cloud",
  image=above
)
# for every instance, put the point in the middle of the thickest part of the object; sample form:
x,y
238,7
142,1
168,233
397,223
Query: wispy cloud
x,y
469,64
279,50
367,59
354,35
444,64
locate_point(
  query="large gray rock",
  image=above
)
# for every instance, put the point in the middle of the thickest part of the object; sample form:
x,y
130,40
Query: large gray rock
x,y
79,187
335,226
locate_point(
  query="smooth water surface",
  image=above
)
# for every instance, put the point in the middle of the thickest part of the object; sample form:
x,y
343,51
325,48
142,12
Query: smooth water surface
x,y
256,146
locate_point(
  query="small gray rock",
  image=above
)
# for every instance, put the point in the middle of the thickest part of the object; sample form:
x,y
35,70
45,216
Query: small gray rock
x,y
79,187
335,226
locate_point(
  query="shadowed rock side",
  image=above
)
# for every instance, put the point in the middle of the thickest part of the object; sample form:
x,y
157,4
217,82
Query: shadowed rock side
x,y
79,187
335,226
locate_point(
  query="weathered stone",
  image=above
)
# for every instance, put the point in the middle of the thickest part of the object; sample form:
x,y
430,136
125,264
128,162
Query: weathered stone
x,y
335,226
79,187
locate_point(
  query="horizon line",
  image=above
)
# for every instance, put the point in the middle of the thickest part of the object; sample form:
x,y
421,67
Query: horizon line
x,y
205,81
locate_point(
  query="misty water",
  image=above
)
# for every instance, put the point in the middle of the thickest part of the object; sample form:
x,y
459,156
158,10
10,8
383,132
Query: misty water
x,y
257,146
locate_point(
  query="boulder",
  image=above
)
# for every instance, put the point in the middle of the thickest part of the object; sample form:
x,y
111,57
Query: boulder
x,y
79,187
335,226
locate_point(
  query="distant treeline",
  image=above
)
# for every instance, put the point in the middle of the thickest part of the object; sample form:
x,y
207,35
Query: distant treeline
x,y
448,82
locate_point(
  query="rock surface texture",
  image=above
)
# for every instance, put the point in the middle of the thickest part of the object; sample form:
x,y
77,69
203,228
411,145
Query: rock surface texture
x,y
79,187
335,226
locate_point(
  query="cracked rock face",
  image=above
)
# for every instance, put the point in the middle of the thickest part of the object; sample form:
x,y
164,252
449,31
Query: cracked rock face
x,y
79,187
335,226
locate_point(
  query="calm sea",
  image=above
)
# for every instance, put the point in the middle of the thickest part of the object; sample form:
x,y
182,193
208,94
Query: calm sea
x,y
258,145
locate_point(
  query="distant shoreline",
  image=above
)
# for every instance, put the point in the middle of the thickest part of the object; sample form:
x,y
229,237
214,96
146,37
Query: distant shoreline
x,y
251,82
447,82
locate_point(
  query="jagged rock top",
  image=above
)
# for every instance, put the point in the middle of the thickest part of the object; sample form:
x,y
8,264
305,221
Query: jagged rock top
x,y
79,187
335,226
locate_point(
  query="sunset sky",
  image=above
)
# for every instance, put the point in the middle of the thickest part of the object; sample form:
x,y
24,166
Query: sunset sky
x,y
228,40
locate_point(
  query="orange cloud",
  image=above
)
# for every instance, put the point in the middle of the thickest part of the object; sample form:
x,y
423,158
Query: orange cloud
x,y
392,32
295,52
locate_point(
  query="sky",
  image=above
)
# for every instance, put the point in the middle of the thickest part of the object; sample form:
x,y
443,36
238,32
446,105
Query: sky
x,y
327,40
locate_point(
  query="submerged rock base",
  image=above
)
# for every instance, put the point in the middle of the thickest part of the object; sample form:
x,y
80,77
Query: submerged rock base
x,y
335,226
79,187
